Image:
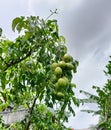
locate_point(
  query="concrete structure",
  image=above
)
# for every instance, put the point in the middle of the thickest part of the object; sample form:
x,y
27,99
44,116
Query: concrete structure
x,y
11,116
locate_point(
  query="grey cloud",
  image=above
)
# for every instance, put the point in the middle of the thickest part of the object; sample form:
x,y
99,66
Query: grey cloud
x,y
85,26
9,10
81,120
90,19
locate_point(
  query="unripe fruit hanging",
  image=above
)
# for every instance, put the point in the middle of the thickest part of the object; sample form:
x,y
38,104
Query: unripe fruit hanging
x,y
66,79
60,95
62,64
67,58
54,65
62,82
69,66
58,71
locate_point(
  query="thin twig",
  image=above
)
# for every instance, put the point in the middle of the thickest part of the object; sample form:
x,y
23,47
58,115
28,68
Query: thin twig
x,y
52,12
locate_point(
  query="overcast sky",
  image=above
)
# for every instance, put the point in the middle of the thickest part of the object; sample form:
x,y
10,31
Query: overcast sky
x,y
86,25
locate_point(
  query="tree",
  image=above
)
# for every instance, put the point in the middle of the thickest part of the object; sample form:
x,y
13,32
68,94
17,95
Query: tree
x,y
28,78
103,100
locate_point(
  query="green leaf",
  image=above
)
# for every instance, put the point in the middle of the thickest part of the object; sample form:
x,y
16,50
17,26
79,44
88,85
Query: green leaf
x,y
15,22
73,85
0,50
88,111
0,31
62,39
74,100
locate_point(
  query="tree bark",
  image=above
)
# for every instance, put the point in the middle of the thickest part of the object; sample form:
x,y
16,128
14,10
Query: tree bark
x,y
30,113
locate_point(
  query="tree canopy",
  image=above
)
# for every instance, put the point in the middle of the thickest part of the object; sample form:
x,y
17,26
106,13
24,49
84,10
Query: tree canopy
x,y
36,73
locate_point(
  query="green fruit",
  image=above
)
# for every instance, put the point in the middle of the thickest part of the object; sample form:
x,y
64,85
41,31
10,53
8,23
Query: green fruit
x,y
67,58
62,64
69,66
62,82
58,71
60,95
53,66
66,79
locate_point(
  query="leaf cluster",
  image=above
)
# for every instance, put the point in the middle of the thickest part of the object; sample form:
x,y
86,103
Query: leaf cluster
x,y
103,100
26,79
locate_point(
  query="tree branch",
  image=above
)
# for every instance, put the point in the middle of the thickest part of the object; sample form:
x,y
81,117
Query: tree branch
x,y
8,65
31,110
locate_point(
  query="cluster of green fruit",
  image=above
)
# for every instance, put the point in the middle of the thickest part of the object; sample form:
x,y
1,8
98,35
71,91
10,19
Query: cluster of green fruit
x,y
60,70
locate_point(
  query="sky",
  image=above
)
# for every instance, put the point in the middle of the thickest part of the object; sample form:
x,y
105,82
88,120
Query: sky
x,y
86,25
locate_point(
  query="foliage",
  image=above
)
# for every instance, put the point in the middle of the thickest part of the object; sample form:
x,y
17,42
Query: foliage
x,y
26,77
103,100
